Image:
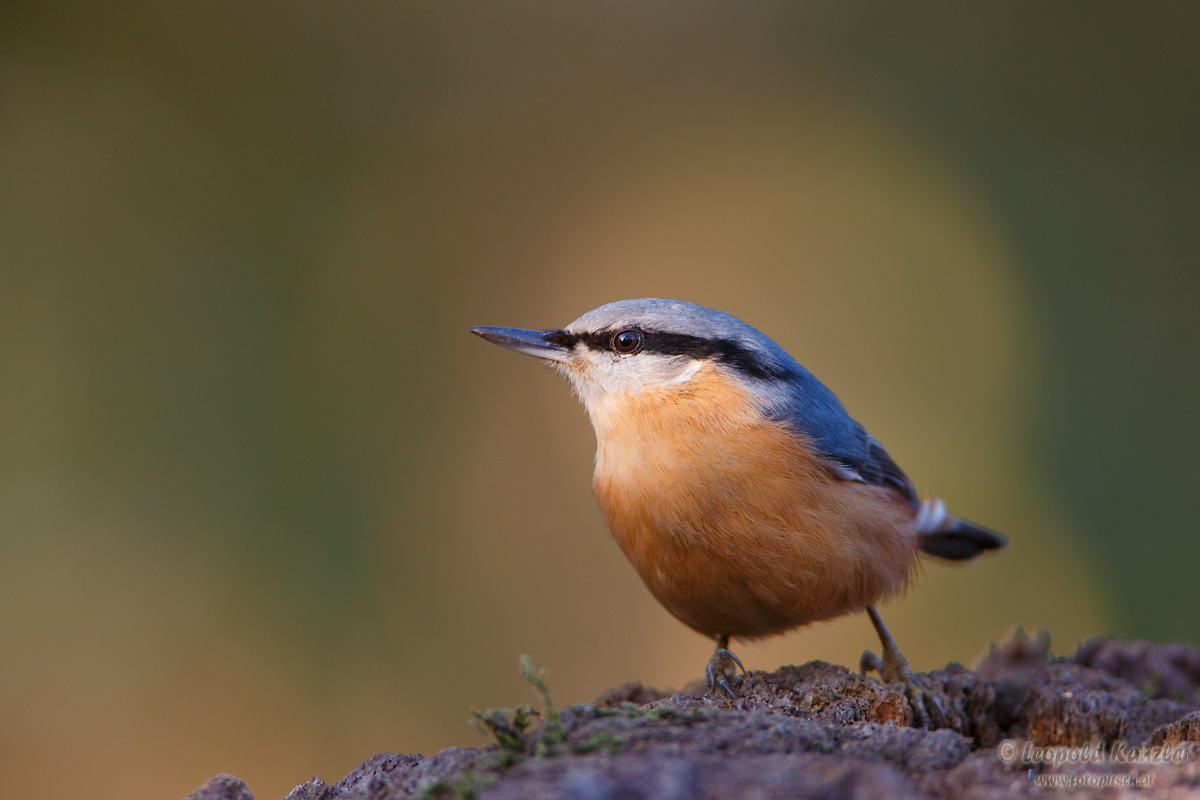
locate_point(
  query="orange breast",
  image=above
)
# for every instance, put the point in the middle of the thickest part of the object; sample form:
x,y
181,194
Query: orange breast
x,y
732,522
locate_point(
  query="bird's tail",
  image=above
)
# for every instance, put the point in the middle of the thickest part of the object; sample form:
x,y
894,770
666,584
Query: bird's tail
x,y
946,536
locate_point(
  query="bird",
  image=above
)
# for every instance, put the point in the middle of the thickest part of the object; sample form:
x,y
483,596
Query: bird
x,y
747,499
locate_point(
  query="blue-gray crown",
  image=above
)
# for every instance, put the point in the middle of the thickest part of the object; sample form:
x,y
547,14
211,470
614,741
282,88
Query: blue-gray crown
x,y
673,327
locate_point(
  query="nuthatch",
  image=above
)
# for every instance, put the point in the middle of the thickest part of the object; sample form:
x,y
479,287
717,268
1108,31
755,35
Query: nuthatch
x,y
747,499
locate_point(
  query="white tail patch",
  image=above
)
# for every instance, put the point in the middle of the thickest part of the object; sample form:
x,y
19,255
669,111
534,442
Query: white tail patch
x,y
931,517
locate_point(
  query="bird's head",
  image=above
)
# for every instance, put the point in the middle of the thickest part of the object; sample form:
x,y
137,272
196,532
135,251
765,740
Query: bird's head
x,y
635,346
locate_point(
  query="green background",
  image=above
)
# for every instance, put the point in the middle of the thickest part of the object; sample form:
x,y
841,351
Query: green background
x,y
266,507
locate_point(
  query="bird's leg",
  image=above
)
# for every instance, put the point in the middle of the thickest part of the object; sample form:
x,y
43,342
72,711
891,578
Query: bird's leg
x,y
721,672
893,668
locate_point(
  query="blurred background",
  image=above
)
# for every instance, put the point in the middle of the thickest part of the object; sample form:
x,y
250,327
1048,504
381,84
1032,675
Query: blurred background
x,y
267,508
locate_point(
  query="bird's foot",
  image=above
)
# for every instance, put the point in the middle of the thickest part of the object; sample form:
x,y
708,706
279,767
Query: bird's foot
x,y
893,668
923,702
722,670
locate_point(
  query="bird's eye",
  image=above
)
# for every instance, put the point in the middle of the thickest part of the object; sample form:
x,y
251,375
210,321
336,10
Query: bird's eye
x,y
627,341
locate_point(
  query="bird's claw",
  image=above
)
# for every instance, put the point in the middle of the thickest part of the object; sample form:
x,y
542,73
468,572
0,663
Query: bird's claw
x,y
717,682
869,662
927,709
721,672
920,700
725,653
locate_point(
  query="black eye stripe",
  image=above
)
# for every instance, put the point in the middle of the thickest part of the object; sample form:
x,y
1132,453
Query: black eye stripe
x,y
725,351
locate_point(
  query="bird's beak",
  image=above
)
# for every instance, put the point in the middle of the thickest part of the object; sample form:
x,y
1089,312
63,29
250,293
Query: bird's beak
x,y
531,343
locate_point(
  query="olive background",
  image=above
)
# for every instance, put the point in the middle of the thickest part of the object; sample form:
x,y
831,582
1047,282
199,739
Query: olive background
x,y
266,506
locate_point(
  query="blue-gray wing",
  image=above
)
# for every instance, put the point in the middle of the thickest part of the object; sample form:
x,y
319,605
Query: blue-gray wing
x,y
813,410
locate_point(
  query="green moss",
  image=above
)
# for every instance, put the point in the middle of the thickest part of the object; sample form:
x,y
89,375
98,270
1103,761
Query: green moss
x,y
540,681
508,725
600,741
661,713
465,786
634,711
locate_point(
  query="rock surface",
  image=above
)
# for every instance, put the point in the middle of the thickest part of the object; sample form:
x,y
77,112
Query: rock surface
x,y
222,787
1020,723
